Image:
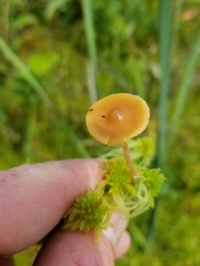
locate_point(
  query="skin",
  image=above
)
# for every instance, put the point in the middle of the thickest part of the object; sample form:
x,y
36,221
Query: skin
x,y
33,199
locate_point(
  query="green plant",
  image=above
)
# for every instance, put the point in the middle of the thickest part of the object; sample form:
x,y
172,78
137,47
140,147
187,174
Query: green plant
x,y
115,193
126,188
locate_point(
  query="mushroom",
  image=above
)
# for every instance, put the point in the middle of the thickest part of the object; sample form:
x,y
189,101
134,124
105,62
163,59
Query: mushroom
x,y
115,119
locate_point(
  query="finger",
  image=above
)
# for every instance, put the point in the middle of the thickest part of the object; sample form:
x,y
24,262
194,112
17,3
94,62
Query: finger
x,y
117,234
123,245
33,199
6,261
75,248
119,224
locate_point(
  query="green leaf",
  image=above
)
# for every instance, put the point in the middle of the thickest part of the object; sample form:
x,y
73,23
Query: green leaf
x,y
41,63
53,6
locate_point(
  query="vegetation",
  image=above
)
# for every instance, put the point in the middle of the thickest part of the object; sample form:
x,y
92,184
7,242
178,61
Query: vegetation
x,y
58,56
119,191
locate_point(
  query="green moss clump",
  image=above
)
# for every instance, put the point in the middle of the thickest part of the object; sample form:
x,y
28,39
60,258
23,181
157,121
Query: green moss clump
x,y
115,193
90,211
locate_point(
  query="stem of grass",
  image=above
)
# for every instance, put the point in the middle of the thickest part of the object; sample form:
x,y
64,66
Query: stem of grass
x,y
91,46
19,65
183,91
4,18
164,54
165,13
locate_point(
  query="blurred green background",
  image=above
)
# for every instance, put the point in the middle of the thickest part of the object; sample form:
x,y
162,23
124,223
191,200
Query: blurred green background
x,y
59,56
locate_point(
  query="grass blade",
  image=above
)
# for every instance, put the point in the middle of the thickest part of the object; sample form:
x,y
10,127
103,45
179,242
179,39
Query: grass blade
x,y
184,89
19,65
91,82
165,13
91,45
165,36
4,18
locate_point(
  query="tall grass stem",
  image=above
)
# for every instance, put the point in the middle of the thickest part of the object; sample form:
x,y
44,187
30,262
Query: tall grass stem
x,y
4,19
91,46
164,55
20,66
91,81
165,13
184,90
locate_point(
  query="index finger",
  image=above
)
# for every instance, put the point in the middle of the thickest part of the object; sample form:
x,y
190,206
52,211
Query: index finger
x,y
33,199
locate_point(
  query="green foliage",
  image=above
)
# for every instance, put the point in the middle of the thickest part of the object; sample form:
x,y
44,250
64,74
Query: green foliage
x,y
127,44
142,151
90,211
115,193
117,184
53,6
41,63
11,56
152,179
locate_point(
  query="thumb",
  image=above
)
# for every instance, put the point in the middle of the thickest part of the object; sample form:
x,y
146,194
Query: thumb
x,y
33,199
75,248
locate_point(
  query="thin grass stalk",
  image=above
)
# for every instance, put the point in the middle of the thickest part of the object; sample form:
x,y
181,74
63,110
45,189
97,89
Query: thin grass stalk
x,y
164,54
19,65
165,13
90,67
4,19
184,90
91,46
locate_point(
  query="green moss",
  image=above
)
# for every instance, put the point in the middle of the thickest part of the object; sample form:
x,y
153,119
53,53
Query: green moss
x,y
115,193
90,211
117,184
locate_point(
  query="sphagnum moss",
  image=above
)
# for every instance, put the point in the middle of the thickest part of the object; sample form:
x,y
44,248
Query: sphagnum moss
x,y
91,211
126,188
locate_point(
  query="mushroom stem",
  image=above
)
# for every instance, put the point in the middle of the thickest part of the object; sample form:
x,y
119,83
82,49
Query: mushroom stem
x,y
128,160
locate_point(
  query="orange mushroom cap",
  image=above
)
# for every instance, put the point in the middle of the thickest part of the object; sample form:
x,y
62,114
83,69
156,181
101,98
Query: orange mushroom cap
x,y
117,118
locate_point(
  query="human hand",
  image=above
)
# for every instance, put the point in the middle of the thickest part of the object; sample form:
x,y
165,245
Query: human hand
x,y
33,199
